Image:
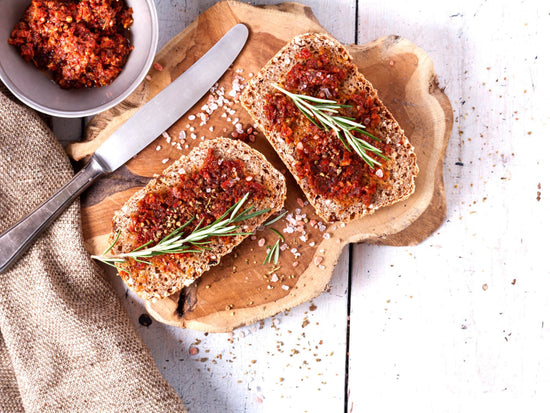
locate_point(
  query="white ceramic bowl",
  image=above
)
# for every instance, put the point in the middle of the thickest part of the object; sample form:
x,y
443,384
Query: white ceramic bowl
x,y
38,91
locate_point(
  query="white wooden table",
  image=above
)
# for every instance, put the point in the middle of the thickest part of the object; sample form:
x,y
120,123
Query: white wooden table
x,y
460,322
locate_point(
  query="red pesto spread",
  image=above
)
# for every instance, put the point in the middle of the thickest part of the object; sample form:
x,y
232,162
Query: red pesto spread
x,y
329,168
83,43
205,194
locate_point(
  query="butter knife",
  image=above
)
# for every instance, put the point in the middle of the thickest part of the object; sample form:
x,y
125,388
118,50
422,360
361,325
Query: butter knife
x,y
134,135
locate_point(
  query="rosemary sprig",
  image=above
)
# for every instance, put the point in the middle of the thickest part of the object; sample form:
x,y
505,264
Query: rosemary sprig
x,y
196,241
325,115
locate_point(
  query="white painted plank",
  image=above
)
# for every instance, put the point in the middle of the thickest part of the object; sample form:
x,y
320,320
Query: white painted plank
x,y
460,322
337,16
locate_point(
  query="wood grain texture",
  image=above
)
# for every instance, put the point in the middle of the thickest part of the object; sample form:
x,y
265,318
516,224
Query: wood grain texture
x,y
240,290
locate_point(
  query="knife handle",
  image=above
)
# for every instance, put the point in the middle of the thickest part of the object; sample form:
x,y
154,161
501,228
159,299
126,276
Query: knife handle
x,y
18,238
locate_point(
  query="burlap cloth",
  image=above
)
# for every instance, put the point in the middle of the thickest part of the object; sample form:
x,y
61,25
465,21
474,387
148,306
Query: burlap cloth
x,y
66,342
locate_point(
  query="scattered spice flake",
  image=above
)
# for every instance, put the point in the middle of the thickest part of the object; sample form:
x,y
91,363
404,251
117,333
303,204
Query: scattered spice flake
x,y
485,287
193,351
514,281
158,66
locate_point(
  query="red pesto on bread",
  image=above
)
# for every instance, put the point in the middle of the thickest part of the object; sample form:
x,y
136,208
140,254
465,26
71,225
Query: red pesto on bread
x,y
337,182
203,184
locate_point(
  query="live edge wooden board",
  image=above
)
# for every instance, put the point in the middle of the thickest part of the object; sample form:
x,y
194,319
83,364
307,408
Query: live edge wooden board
x,y
241,290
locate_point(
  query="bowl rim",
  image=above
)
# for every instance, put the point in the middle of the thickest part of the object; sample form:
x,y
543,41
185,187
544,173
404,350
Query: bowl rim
x,y
98,109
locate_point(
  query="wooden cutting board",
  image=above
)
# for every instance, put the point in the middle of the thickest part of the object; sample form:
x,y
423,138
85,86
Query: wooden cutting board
x,y
240,290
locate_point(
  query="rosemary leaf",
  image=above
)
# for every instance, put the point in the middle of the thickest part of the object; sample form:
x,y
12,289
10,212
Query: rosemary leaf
x,y
278,233
272,254
278,217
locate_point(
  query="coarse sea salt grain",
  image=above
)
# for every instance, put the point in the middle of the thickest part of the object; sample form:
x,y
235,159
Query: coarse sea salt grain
x,y
165,160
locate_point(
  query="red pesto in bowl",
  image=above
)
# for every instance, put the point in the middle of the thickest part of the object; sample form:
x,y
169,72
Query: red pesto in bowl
x,y
82,43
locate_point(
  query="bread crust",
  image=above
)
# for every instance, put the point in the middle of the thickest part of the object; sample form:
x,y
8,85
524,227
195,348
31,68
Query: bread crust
x,y
401,166
153,283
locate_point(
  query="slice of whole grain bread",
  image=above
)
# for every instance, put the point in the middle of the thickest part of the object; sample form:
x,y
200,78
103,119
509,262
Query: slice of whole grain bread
x,y
401,168
152,282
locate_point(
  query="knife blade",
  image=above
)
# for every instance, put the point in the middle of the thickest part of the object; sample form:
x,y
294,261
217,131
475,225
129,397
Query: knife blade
x,y
168,106
129,139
